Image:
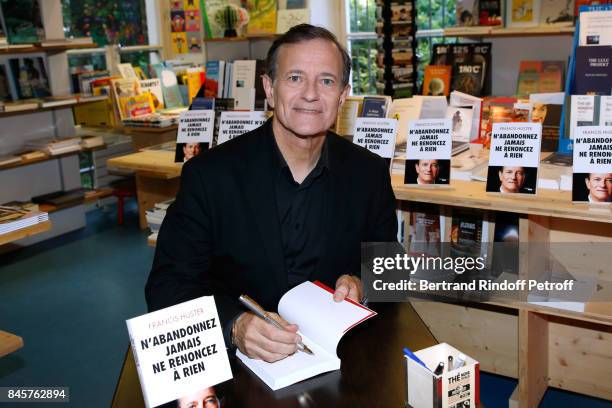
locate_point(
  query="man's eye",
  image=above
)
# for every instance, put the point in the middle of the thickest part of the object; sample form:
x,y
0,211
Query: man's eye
x,y
295,78
327,81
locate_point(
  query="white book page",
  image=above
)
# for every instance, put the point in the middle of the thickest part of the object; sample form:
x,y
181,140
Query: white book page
x,y
296,367
319,318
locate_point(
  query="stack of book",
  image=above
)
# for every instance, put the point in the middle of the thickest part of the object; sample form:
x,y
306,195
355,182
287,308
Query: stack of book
x,y
55,146
155,217
16,218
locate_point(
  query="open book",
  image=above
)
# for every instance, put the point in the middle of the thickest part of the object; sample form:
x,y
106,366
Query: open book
x,y
322,323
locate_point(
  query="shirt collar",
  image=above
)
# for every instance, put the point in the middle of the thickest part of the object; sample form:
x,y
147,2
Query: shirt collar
x,y
280,163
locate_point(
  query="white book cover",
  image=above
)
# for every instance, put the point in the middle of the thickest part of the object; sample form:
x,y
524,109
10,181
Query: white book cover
x,y
243,76
196,126
404,110
179,350
461,123
233,124
244,99
592,166
154,87
595,28
582,112
127,71
322,323
377,135
514,158
428,153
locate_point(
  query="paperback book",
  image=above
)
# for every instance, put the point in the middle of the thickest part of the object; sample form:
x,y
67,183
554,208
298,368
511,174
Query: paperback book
x,y
322,323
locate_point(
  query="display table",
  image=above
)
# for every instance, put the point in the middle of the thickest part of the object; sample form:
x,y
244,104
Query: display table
x,y
372,373
157,177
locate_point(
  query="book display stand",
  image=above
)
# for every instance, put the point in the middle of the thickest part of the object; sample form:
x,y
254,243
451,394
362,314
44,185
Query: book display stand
x,y
58,173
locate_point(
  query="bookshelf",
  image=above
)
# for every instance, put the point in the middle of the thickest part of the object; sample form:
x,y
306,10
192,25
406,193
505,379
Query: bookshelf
x,y
55,48
40,109
269,37
31,178
484,31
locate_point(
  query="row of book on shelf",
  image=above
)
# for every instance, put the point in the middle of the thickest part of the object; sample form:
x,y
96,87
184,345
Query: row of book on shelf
x,y
40,149
501,137
154,97
519,13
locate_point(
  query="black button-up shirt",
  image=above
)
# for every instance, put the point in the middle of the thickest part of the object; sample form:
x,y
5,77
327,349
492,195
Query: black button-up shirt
x,y
301,208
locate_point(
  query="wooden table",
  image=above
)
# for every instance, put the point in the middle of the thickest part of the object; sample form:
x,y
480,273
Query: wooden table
x,y
157,177
372,372
9,343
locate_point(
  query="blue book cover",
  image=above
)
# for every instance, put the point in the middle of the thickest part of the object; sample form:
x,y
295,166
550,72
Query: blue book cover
x,y
170,88
374,107
593,70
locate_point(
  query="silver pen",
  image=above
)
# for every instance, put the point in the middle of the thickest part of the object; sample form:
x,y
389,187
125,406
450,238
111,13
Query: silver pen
x,y
254,307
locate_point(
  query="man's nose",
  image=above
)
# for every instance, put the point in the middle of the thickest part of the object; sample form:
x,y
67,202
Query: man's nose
x,y
310,91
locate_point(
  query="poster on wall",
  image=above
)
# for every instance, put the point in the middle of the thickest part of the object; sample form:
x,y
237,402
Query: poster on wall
x,y
186,26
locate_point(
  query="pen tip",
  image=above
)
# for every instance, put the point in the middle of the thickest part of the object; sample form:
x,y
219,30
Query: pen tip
x,y
307,350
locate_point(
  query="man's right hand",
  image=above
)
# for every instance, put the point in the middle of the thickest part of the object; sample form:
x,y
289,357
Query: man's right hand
x,y
262,341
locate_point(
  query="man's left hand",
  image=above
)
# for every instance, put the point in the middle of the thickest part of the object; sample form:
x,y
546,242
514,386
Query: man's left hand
x,y
348,286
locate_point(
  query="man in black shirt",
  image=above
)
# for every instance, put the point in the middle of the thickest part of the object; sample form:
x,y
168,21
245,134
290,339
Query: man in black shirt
x,y
283,204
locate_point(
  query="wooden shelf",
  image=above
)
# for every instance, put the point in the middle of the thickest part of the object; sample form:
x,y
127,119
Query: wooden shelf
x,y
552,311
270,37
9,343
30,48
551,203
23,233
26,162
507,32
38,109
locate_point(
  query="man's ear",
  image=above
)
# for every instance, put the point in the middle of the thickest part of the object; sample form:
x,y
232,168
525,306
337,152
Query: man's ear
x,y
500,174
344,94
269,89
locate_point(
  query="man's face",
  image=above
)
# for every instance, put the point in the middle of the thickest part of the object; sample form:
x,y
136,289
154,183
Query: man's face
x,y
512,179
307,90
206,398
600,187
538,114
190,150
427,171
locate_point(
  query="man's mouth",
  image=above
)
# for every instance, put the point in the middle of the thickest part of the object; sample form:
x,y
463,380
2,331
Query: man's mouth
x,y
307,110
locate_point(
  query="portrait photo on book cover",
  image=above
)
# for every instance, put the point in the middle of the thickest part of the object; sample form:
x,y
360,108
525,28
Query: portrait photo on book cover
x,y
593,188
427,171
204,398
186,151
512,179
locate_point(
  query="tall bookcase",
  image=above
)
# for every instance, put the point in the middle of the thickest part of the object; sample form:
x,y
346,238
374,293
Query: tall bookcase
x,y
60,173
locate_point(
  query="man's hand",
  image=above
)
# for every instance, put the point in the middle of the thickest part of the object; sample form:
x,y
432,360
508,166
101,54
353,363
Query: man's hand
x,y
348,286
262,341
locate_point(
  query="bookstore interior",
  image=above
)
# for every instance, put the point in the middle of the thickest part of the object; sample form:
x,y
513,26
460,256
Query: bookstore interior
x,y
450,162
